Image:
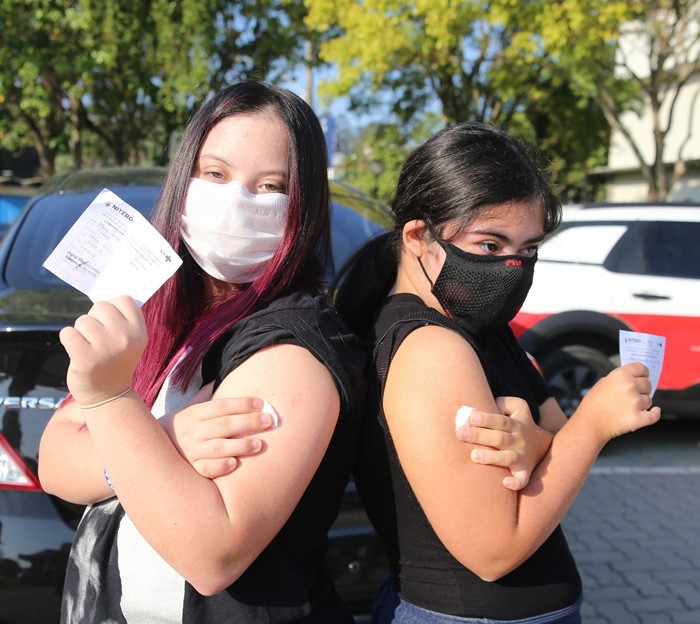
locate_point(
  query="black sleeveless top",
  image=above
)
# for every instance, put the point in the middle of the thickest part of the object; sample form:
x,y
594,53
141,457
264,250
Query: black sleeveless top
x,y
288,582
428,575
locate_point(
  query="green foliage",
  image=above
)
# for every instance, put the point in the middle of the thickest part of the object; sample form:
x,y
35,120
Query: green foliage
x,y
111,80
373,156
373,159
481,60
509,62
631,57
572,134
477,58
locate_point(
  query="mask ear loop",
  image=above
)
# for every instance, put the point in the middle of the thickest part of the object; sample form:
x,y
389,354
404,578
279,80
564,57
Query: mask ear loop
x,y
432,284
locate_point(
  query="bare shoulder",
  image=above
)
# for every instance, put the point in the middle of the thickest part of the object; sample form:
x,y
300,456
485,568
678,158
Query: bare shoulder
x,y
299,388
433,373
438,353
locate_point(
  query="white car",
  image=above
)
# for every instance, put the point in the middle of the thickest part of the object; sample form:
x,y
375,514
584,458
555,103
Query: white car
x,y
610,267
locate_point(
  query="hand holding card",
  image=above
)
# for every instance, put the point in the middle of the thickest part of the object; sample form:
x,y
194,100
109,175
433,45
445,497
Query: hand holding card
x,y
645,348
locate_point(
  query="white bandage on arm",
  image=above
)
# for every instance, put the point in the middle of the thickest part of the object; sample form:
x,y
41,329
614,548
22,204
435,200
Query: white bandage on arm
x,y
268,409
462,417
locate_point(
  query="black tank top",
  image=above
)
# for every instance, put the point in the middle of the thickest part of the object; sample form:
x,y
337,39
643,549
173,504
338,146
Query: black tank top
x,y
288,582
429,576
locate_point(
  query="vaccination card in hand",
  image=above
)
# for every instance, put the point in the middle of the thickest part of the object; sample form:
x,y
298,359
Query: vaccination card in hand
x,y
113,250
645,348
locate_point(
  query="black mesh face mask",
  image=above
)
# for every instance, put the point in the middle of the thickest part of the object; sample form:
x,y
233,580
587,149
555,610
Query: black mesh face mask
x,y
481,293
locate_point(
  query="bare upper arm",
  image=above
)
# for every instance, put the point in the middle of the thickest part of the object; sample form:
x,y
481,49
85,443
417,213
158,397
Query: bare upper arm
x,y
433,373
264,490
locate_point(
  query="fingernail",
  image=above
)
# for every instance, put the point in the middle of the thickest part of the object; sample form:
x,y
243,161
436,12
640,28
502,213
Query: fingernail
x,y
464,433
255,444
232,462
475,418
477,455
265,419
257,404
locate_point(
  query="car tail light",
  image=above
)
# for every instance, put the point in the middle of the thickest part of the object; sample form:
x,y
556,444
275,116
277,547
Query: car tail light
x,y
14,473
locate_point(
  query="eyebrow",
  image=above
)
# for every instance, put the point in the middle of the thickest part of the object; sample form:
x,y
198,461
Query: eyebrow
x,y
535,239
215,157
280,172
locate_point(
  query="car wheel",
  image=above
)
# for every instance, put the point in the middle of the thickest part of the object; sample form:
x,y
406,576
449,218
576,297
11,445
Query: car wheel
x,y
571,371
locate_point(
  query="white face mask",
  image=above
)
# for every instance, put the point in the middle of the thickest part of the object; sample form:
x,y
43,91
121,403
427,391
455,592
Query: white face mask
x,y
231,232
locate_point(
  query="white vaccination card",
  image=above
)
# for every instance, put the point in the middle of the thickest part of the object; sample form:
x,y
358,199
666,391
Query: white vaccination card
x,y
113,250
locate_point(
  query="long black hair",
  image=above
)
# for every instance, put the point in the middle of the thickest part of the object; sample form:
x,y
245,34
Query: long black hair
x,y
457,174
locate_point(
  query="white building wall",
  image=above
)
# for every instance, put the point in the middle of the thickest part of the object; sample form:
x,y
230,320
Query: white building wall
x,y
682,141
683,136
632,188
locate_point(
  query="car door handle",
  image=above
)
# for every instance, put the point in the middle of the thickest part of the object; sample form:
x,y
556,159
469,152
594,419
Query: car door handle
x,y
650,297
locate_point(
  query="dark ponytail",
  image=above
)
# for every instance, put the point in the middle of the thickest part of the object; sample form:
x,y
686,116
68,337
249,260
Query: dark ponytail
x,y
364,281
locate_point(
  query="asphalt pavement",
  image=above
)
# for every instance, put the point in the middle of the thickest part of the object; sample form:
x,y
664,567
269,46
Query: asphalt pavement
x,y
635,529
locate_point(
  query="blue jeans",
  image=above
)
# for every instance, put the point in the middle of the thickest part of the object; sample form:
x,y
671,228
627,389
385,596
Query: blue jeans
x,y
390,609
406,613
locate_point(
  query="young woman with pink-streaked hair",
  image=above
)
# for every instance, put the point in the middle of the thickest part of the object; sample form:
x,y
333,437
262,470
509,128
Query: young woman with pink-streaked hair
x,y
246,205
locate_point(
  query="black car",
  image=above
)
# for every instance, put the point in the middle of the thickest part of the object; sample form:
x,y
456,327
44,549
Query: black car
x,y
36,529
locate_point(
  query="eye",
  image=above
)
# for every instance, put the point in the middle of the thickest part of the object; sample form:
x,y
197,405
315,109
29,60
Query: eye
x,y
488,246
270,186
529,252
212,175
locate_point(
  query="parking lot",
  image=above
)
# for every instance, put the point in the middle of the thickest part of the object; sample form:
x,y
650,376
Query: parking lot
x,y
635,529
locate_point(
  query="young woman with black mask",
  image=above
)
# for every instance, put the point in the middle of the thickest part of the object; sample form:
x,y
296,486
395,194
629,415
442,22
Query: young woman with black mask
x,y
434,299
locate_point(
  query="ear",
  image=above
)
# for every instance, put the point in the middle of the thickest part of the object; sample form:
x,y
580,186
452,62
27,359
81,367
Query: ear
x,y
415,237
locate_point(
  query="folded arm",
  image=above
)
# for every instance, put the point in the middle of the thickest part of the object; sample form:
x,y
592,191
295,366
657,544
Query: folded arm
x,y
488,528
509,438
210,531
211,434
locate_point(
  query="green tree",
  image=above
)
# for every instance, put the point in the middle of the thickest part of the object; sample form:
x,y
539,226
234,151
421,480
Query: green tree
x,y
571,131
31,92
505,61
479,59
373,155
373,160
118,77
633,58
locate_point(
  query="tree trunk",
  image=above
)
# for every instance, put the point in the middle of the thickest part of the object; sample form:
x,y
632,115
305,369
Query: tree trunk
x,y
47,156
75,132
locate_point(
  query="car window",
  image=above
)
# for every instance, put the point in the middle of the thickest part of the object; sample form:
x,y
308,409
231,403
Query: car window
x,y
662,248
672,249
350,230
588,244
